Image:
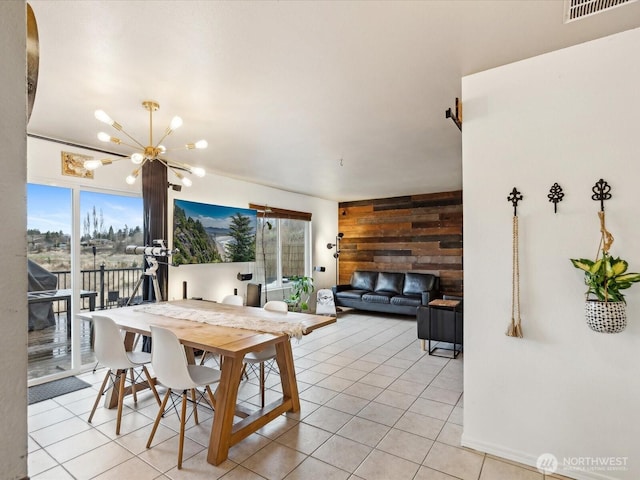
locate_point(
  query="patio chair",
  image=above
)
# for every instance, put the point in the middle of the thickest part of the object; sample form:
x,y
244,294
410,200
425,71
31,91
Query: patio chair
x,y
110,352
170,365
269,353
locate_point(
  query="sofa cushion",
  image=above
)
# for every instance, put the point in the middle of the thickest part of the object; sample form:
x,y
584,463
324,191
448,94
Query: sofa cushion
x,y
390,282
363,280
377,297
416,283
409,300
351,294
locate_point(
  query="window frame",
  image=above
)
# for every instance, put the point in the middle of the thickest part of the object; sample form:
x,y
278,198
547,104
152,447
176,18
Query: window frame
x,y
275,216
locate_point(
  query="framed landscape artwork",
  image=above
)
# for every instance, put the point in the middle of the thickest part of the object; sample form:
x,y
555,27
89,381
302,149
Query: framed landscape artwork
x,y
206,233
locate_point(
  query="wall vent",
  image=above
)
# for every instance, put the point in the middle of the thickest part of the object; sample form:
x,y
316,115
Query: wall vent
x,y
577,9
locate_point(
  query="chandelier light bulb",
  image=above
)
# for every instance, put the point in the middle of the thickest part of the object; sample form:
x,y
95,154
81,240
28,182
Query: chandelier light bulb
x,y
92,164
162,149
201,144
131,179
137,158
103,117
198,171
176,122
104,137
186,181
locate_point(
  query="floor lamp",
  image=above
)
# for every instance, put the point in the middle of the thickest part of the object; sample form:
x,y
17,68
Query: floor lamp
x,y
336,254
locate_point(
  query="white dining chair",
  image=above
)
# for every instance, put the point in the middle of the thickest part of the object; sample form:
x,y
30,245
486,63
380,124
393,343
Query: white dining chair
x,y
110,352
267,355
170,365
228,300
233,300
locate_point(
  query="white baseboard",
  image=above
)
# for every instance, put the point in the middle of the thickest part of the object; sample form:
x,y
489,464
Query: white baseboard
x,y
528,459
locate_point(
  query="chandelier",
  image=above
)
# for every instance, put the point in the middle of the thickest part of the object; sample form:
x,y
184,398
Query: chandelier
x,y
152,151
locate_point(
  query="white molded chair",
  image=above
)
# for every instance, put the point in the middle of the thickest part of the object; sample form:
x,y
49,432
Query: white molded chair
x,y
269,353
170,365
233,300
228,300
110,352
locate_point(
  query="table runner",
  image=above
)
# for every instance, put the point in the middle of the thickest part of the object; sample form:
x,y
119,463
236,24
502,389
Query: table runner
x,y
295,330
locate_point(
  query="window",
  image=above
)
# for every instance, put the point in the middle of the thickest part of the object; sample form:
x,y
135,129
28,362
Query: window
x,y
282,245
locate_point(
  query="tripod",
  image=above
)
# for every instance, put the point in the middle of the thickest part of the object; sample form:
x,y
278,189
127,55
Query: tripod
x,y
151,271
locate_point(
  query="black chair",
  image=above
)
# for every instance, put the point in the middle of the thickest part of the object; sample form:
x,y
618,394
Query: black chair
x,y
254,293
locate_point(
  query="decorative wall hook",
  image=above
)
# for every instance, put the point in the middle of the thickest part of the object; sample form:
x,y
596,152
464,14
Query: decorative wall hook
x,y
514,197
601,192
555,196
456,117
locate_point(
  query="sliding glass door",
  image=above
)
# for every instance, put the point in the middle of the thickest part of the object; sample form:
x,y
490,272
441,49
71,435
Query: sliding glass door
x,y
102,274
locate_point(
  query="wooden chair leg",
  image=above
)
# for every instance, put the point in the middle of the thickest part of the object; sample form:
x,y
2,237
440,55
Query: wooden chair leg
x,y
195,405
158,417
422,345
212,399
203,357
133,386
182,419
123,377
100,392
151,383
262,383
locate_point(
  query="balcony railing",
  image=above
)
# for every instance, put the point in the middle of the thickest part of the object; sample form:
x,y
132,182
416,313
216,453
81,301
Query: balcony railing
x,y
114,285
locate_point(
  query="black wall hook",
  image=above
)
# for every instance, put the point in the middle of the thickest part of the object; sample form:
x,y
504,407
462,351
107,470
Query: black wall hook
x,y
514,197
555,196
601,192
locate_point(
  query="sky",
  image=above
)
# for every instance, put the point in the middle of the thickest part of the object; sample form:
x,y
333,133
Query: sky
x,y
49,209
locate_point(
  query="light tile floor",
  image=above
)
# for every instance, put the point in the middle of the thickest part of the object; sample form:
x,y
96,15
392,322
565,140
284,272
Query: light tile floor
x,y
373,407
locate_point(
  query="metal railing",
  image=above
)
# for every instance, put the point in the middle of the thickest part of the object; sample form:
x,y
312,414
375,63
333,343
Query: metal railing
x,y
111,284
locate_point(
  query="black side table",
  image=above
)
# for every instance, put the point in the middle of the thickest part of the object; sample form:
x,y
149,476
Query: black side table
x,y
452,306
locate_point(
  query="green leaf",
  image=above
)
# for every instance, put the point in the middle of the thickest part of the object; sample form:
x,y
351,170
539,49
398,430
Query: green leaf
x,y
628,277
596,266
619,266
582,263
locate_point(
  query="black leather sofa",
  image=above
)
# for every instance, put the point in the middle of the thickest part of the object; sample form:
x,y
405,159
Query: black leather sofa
x,y
389,292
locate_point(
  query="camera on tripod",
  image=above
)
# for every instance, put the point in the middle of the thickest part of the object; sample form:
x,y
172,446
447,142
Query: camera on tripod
x,y
159,249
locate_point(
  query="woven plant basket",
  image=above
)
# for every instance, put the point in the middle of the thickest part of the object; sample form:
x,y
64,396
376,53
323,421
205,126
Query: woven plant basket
x,y
606,317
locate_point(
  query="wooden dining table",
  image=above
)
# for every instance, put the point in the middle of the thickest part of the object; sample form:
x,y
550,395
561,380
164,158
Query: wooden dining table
x,y
232,344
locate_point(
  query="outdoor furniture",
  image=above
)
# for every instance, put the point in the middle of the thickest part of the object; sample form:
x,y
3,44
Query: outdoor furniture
x,y
232,344
64,295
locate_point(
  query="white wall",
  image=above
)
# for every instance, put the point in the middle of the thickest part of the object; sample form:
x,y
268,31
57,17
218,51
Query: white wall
x,y
210,281
570,117
214,281
13,280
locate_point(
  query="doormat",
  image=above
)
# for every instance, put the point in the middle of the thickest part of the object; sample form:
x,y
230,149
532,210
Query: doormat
x,y
48,390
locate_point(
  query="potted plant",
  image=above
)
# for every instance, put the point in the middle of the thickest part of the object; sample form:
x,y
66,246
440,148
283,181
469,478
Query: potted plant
x,y
301,289
605,277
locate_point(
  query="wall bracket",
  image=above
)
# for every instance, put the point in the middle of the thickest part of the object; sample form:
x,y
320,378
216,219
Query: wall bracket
x,y
457,116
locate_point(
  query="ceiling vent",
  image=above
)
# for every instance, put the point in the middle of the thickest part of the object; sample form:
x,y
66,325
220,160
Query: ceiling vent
x,y
577,9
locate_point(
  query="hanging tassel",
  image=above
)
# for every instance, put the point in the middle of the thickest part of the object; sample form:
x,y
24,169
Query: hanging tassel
x,y
518,332
515,330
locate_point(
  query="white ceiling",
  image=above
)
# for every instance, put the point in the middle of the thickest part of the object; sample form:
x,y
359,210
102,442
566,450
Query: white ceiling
x,y
343,100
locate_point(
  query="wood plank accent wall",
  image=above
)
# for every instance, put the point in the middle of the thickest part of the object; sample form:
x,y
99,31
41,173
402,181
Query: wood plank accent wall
x,y
420,233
